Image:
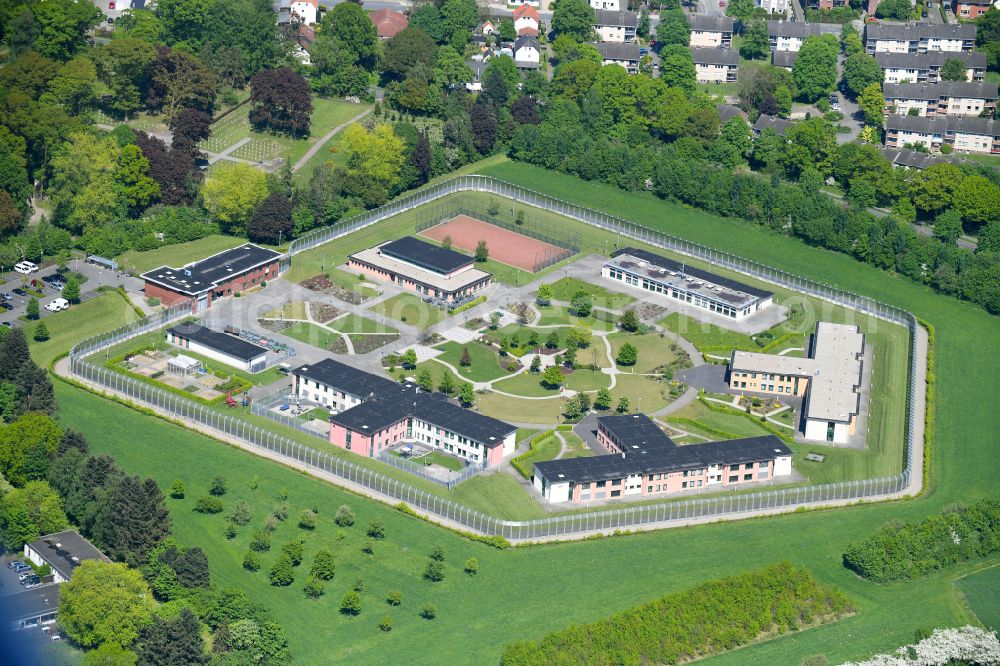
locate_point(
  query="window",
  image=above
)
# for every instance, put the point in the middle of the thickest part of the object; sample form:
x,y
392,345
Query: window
x,y
616,493
748,477
748,466
601,484
734,478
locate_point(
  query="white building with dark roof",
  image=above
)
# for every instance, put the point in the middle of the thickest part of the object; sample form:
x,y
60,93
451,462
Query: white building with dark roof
x,y
789,36
527,53
711,31
921,37
715,65
63,552
947,98
974,135
784,59
925,67
615,26
624,55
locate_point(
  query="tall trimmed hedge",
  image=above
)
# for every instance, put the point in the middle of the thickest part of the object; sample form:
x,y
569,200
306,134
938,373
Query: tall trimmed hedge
x,y
718,615
900,551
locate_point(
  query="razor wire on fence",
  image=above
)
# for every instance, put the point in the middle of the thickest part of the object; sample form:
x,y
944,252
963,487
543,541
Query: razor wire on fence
x,y
393,489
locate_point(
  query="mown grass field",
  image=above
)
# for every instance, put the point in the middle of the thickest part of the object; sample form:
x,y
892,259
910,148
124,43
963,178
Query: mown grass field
x,y
508,600
981,591
176,255
409,309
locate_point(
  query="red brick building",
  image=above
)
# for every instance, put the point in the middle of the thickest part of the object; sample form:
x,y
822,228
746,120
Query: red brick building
x,y
219,275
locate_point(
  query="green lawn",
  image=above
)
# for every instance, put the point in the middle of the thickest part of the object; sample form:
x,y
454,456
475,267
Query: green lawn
x,y
587,380
485,364
353,323
409,309
527,384
498,494
176,255
102,313
982,593
564,289
558,315
702,334
734,424
350,281
654,351
311,334
644,394
290,310
545,449
446,461
526,411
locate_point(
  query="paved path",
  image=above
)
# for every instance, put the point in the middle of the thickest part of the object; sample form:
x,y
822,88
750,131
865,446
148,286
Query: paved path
x,y
326,137
225,154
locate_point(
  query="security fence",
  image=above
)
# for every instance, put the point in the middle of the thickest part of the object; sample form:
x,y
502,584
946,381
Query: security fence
x,y
568,524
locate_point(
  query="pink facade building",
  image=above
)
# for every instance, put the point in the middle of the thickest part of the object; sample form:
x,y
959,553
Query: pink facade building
x,y
645,463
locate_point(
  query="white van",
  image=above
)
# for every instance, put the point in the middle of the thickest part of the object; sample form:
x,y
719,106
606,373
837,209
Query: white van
x,y
57,305
25,267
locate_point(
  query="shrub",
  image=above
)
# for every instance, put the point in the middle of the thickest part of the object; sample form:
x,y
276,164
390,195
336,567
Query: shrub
x,y
344,517
359,585
177,489
350,603
307,520
230,532
324,565
628,354
281,511
240,513
261,541
394,598
437,554
218,486
251,561
376,528
294,551
282,572
41,332
472,566
434,571
368,548
630,321
385,624
428,611
208,504
315,587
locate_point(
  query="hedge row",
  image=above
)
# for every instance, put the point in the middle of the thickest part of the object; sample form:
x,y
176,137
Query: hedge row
x,y
773,344
523,462
928,404
778,431
901,551
713,617
471,304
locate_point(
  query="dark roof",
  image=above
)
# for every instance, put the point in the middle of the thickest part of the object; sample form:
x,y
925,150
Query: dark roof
x,y
31,603
654,453
392,405
622,17
202,276
936,91
918,31
707,23
764,121
65,550
944,124
690,271
345,378
527,41
425,255
798,29
727,112
222,342
910,158
930,59
783,58
713,56
618,51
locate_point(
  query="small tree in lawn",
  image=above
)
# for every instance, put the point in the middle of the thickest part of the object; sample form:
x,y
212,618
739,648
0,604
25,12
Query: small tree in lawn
x,y
394,598
552,341
31,310
376,529
314,588
628,354
307,520
251,561
494,320
467,395
428,611
350,604
581,305
446,242
218,486
282,572
41,332
344,517
569,358
177,489
294,550
552,378
536,364
447,383
208,504
603,399
472,566
408,359
466,359
623,405
425,380
437,554
324,566
584,400
71,290
519,218
630,321
533,340
544,295
261,540
240,513
385,624
434,571
482,252
571,410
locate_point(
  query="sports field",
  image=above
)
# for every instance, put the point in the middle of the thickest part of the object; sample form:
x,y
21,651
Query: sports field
x,y
505,246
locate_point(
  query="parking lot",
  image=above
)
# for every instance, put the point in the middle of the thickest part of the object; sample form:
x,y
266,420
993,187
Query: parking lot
x,y
9,579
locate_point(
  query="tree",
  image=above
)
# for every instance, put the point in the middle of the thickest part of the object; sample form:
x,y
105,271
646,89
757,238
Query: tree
x,y
459,18
394,598
977,200
472,566
307,519
410,49
29,512
552,340
948,226
27,445
552,377
208,504
755,41
428,611
434,572
953,69
628,354
376,529
31,310
482,251
466,359
425,380
177,80
172,642
232,193
675,28
862,70
815,69
251,561
536,364
272,221
41,332
314,588
71,291
603,399
63,27
427,17
324,566
281,102
385,624
422,158
437,553
282,573
466,395
177,489
629,321
218,487
932,187
575,19
110,654
352,31
623,405
677,68
408,359
350,603
377,156
132,521
545,294
447,383
740,9
104,602
899,10
123,66
872,103
581,304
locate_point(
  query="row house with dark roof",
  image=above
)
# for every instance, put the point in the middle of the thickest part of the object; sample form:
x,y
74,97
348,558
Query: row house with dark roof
x,y
919,37
948,98
974,135
926,67
623,55
615,26
715,65
711,31
789,36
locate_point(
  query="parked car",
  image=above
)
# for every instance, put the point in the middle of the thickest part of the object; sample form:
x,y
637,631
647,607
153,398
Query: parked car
x,y
21,566
6,324
57,305
4,296
33,583
57,285
20,292
929,4
26,575
923,14
25,267
6,306
14,564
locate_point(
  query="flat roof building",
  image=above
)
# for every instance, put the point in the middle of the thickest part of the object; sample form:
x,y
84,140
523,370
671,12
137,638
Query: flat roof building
x,y
645,462
63,551
369,413
32,608
702,289
224,347
222,274
829,379
423,267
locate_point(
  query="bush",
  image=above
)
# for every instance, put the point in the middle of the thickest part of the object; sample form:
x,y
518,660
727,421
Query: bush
x,y
385,624
315,587
628,354
368,548
230,532
394,598
251,561
240,513
218,486
434,571
282,571
293,549
177,489
344,517
281,511
437,554
376,528
901,551
261,541
324,565
307,520
350,604
472,566
208,504
41,332
428,611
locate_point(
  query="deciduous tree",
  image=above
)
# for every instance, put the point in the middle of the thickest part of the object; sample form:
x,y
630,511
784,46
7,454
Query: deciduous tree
x,y
575,19
104,603
272,221
815,68
280,101
233,193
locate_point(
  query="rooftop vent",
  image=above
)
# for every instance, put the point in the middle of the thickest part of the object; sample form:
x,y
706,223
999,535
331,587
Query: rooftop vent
x,y
187,272
58,545
75,560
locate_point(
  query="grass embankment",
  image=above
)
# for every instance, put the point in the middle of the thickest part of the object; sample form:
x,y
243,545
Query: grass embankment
x,y
176,255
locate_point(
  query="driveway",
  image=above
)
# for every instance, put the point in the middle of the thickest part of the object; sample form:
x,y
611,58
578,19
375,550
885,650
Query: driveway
x,y
710,377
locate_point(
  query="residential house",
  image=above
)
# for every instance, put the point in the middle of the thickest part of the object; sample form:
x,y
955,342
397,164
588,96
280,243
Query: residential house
x,y
527,53
905,158
711,31
388,23
824,5
534,3
948,98
626,55
972,9
784,59
63,552
925,67
788,35
715,65
306,10
616,26
773,6
487,29
764,121
478,66
919,37
727,112
610,5
526,21
974,135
